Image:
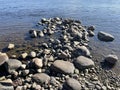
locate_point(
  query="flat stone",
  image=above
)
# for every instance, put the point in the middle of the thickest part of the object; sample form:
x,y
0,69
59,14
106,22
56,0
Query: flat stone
x,y
111,59
103,36
3,58
72,84
41,78
61,66
7,81
6,87
37,62
11,46
83,62
82,50
12,64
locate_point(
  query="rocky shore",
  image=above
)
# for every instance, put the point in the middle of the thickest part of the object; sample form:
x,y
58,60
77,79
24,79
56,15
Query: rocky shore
x,y
61,61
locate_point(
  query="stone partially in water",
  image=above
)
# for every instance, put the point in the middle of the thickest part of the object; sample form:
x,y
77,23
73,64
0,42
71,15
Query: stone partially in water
x,y
103,36
111,59
3,58
64,67
83,62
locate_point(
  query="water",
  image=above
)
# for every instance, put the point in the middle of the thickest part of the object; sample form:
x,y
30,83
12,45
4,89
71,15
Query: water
x,y
18,16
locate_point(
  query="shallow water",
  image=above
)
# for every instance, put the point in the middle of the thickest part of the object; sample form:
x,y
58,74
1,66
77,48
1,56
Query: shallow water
x,y
18,16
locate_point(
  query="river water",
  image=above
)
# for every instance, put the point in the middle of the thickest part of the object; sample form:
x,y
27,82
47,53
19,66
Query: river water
x,y
18,16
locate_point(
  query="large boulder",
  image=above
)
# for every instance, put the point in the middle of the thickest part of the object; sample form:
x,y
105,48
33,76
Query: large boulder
x,y
41,78
72,84
3,58
111,59
12,65
64,67
103,36
83,62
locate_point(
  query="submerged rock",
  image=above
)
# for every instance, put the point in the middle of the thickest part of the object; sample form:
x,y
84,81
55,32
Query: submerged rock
x,y
111,59
103,36
64,67
83,62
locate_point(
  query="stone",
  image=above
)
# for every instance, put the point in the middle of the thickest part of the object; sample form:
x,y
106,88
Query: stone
x,y
11,46
12,64
6,87
25,72
33,33
83,62
103,36
7,81
82,50
64,67
91,28
24,55
19,88
37,62
32,54
40,34
23,66
111,59
72,84
91,33
3,58
41,78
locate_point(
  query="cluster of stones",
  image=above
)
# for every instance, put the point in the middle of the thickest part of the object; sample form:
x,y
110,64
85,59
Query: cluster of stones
x,y
64,63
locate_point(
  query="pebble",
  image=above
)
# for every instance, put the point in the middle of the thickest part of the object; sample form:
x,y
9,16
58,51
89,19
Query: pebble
x,y
72,84
11,46
83,62
37,62
103,36
41,78
3,58
12,65
64,67
111,59
24,55
32,54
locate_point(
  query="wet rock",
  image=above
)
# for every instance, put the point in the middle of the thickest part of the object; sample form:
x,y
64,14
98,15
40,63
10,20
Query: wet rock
x,y
91,28
3,58
32,54
72,84
91,33
40,33
12,64
61,66
33,33
82,50
41,78
11,46
103,36
111,59
37,62
83,62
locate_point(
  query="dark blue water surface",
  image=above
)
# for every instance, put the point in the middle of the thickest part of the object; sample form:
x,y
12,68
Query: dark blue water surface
x,y
18,16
